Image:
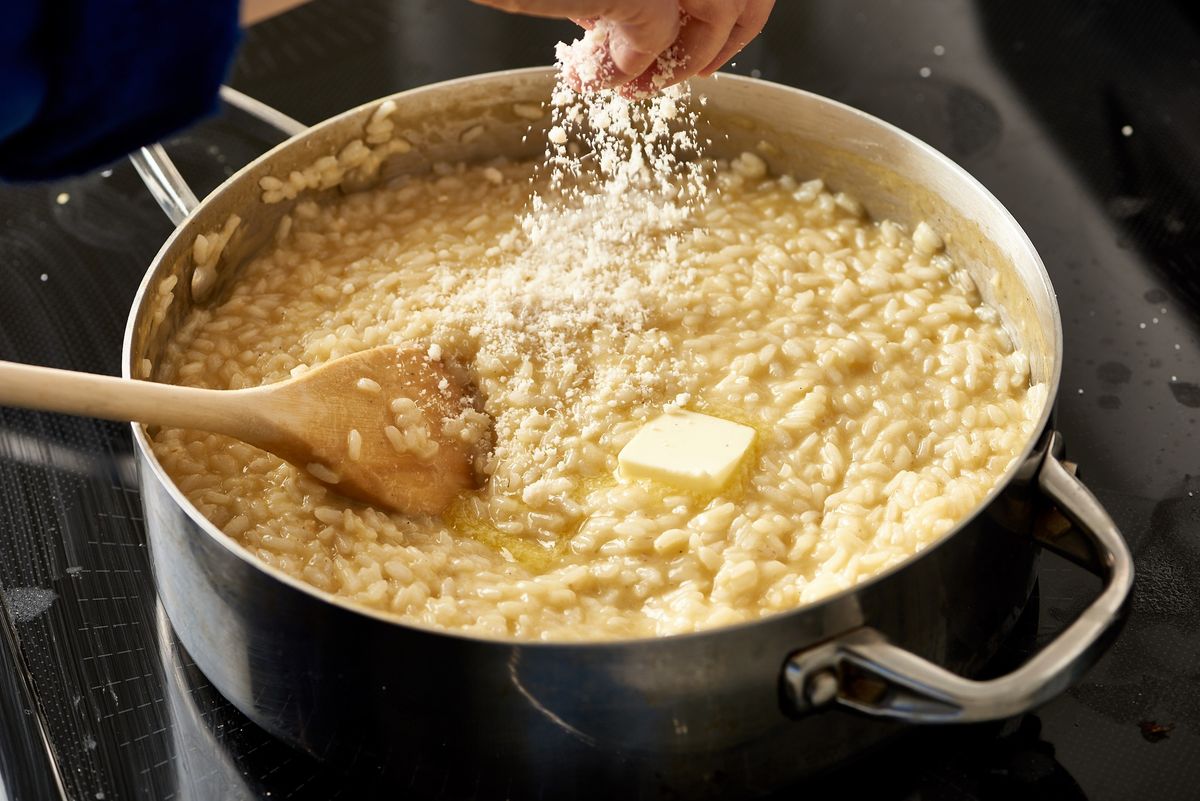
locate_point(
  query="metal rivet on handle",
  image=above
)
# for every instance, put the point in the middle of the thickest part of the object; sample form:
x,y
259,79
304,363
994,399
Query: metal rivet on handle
x,y
821,688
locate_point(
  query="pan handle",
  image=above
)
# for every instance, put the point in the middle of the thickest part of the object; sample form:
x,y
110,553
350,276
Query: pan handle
x,y
159,174
162,178
861,670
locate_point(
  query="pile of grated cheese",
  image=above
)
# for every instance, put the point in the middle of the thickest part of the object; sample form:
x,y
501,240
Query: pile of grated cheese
x,y
598,245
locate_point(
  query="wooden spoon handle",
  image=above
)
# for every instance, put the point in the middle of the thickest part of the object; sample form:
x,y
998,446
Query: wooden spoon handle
x,y
91,395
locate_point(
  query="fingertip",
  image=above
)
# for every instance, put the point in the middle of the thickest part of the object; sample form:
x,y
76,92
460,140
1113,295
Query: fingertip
x,y
728,52
713,67
629,59
648,33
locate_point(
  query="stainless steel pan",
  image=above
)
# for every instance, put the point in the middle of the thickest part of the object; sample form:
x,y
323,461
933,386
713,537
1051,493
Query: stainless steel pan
x,y
746,708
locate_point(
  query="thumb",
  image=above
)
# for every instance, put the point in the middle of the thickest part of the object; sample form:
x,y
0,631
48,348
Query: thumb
x,y
641,32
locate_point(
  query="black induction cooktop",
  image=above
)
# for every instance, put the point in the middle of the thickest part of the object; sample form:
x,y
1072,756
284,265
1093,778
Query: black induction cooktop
x,y
1082,116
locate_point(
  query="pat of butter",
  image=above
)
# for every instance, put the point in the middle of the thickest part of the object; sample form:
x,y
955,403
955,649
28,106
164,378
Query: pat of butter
x,y
687,450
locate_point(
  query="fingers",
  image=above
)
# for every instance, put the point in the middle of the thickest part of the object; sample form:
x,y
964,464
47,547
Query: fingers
x,y
750,25
641,29
711,33
639,38
707,27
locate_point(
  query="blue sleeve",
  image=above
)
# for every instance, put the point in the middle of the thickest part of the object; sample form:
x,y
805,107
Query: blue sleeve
x,y
83,82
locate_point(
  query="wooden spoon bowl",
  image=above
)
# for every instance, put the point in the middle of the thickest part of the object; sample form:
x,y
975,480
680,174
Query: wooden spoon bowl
x,y
312,421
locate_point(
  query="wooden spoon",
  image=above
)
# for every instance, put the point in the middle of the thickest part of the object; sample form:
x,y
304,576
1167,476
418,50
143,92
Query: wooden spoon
x,y
306,420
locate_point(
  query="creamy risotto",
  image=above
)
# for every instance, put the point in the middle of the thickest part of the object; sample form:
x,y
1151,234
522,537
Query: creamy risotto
x,y
885,397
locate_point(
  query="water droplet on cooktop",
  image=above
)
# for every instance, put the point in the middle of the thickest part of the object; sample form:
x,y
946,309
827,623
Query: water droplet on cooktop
x,y
1114,373
1186,393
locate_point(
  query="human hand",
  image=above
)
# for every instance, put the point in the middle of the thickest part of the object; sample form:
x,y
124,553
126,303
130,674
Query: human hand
x,y
255,11
700,35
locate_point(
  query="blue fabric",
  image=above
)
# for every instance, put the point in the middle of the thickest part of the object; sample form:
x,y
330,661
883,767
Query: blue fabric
x,y
83,82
